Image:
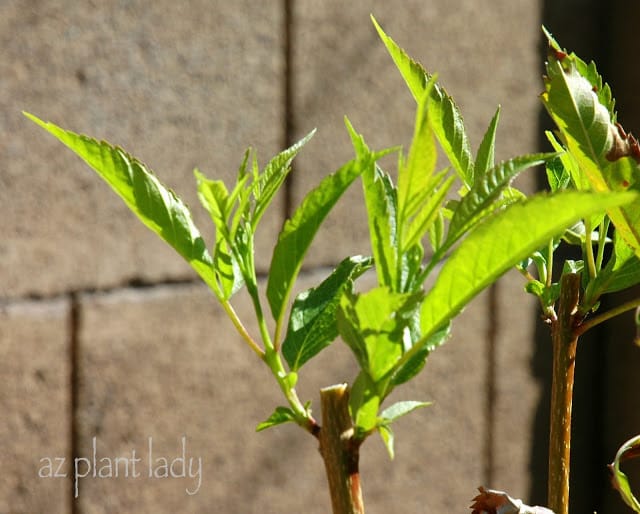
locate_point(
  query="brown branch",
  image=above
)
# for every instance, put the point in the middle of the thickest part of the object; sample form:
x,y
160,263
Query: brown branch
x,y
565,342
340,451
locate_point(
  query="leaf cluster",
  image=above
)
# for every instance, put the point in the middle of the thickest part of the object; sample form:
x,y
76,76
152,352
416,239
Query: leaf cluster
x,y
421,227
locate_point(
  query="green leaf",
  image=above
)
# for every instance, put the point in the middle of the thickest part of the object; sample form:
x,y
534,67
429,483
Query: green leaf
x,y
579,180
478,200
399,409
312,324
389,415
298,233
427,214
621,272
557,174
280,415
382,206
583,109
375,325
227,270
502,241
273,177
413,179
155,205
387,438
444,115
364,402
485,160
215,198
629,450
412,366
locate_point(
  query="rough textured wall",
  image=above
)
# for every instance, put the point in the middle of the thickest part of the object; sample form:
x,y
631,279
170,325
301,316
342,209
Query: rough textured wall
x,y
103,332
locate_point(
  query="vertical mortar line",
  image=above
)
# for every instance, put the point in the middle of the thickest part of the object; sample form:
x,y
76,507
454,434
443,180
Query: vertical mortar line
x,y
289,122
490,397
74,343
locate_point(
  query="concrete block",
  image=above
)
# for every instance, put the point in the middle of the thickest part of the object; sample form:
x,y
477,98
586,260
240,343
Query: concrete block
x,y
35,402
177,85
483,57
516,392
164,363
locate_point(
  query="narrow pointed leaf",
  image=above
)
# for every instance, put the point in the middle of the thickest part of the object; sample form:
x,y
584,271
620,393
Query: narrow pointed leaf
x,y
312,324
444,115
414,178
427,215
382,215
154,204
486,190
485,160
298,233
273,177
502,241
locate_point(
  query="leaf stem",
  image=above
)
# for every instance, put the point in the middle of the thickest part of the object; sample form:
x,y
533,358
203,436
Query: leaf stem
x,y
588,249
231,313
549,278
620,309
602,240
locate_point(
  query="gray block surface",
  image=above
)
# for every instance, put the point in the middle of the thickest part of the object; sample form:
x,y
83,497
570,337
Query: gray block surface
x,y
35,403
178,86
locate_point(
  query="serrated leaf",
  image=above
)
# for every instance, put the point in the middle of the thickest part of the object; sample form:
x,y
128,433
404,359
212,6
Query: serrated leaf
x,y
502,241
312,324
215,198
579,180
427,214
273,177
298,233
382,206
621,272
558,176
630,449
155,205
375,325
583,109
280,415
444,115
479,199
227,270
412,366
414,177
485,159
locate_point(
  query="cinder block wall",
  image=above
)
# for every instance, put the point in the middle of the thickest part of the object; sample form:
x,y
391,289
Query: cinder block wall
x,y
106,338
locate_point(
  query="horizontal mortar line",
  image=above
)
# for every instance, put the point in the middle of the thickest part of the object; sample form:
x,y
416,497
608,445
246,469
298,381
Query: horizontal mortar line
x,y
135,284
